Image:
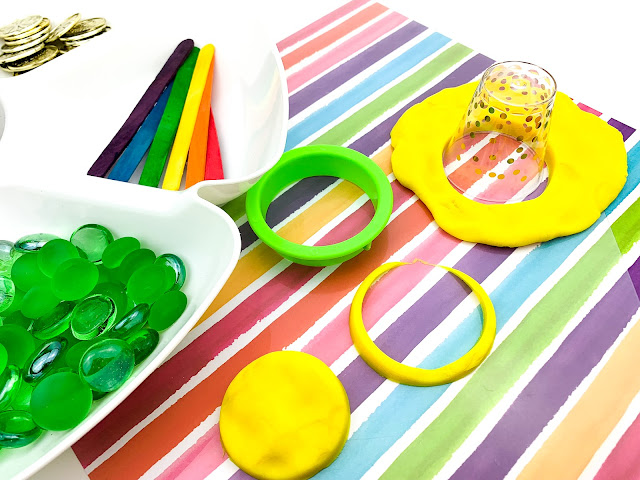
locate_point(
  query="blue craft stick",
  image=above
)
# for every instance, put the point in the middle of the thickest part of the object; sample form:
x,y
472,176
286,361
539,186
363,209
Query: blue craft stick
x,y
132,155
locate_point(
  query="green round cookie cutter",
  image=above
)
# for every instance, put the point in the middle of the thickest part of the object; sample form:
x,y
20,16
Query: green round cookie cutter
x,y
314,161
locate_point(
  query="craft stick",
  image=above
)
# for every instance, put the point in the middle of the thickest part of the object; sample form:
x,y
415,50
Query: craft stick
x,y
178,158
198,148
120,141
161,144
132,155
213,168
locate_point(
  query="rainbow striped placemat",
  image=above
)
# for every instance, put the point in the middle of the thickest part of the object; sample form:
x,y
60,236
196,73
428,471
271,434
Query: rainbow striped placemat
x,y
557,398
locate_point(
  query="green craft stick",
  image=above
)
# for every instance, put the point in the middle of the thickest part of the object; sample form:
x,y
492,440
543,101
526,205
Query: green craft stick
x,y
159,150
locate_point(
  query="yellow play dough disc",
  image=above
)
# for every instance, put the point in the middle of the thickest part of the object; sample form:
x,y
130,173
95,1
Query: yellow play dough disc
x,y
586,158
285,416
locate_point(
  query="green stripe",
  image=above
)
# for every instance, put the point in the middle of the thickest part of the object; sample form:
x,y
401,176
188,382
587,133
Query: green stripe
x,y
235,208
346,129
627,228
428,453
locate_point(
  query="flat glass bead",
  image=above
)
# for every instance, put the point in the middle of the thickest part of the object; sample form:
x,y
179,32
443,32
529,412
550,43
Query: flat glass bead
x,y
38,301
41,363
8,255
33,243
26,273
92,239
74,279
134,261
143,343
131,322
17,318
105,275
16,304
93,316
4,358
177,265
75,353
117,250
22,399
116,292
107,365
55,323
98,395
7,293
54,253
10,382
17,429
61,401
167,309
147,284
18,342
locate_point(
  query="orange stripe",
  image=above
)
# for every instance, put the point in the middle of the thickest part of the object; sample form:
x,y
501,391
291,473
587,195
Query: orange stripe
x,y
592,419
159,437
333,35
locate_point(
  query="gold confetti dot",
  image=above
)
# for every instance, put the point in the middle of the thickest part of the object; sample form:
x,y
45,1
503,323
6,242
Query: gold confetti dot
x,y
501,176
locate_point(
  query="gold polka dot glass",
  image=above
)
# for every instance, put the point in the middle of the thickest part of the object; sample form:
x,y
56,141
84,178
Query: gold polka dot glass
x,y
497,153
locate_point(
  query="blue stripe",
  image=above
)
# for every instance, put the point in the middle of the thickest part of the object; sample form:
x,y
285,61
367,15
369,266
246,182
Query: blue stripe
x,y
377,80
405,405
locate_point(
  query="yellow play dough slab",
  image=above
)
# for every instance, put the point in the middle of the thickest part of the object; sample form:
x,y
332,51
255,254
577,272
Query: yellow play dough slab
x,y
586,158
285,416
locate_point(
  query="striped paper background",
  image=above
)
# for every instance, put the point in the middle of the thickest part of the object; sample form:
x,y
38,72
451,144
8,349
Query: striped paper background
x,y
557,399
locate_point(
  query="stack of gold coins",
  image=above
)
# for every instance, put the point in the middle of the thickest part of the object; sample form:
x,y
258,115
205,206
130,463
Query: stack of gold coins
x,y
30,42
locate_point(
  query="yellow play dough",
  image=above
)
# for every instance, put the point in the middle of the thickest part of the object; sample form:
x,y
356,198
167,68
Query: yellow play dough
x,y
284,416
586,158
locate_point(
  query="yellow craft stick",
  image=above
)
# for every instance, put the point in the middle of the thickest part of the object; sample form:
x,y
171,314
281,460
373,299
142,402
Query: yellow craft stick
x,y
178,158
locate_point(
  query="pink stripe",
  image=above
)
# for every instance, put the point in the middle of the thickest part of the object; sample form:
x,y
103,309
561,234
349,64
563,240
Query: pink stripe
x,y
348,48
586,108
623,462
320,24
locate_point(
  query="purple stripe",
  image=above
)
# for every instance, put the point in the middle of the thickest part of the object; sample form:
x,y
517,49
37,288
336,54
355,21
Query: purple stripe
x,y
327,83
371,141
634,273
625,130
420,319
548,391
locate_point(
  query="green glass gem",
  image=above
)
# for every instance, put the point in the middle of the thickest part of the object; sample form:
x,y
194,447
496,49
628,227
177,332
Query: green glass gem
x,y
17,429
10,382
8,255
117,293
33,243
133,321
38,301
93,316
54,254
92,239
41,362
104,274
107,365
147,284
4,358
74,279
74,354
18,342
98,395
17,318
16,304
7,293
167,309
61,401
143,343
117,250
22,399
55,323
134,261
177,265
26,273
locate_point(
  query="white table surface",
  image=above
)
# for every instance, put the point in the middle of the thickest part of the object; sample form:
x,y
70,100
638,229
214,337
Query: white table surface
x,y
590,47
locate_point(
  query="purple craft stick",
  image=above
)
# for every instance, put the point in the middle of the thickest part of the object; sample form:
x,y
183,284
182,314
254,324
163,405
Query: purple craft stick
x,y
117,145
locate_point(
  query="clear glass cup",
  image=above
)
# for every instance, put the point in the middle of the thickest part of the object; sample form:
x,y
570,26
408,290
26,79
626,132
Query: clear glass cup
x,y
497,153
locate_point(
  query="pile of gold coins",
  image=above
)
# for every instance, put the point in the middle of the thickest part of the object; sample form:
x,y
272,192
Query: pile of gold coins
x,y
31,42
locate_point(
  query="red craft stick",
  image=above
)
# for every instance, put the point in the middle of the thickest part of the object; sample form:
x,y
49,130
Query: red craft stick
x,y
213,168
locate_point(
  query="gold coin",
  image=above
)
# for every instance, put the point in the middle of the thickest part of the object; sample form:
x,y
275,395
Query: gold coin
x,y
29,63
64,27
25,46
14,57
78,43
84,29
42,34
38,28
20,26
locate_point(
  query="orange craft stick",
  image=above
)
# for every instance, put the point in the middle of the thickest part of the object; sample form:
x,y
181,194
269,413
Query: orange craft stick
x,y
198,147
213,169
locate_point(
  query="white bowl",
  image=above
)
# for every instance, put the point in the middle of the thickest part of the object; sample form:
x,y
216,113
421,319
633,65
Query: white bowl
x,y
60,116
167,222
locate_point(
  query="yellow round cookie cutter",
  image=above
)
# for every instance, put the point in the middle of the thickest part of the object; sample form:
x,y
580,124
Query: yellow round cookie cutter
x,y
586,158
285,416
419,377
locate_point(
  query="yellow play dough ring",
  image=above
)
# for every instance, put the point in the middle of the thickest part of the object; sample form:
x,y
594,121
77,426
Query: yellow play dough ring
x,y
400,373
586,158
284,417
